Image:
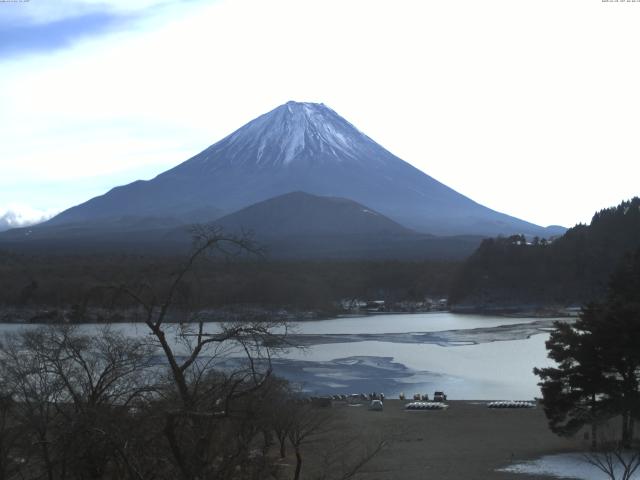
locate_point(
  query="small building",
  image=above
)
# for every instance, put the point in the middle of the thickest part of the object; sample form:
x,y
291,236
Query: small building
x,y
375,306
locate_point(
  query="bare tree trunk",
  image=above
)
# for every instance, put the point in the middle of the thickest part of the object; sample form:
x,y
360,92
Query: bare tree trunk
x,y
178,375
626,441
296,475
47,460
170,433
594,426
283,448
267,442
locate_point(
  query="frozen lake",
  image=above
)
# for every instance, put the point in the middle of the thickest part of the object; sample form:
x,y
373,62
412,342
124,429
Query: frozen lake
x,y
467,356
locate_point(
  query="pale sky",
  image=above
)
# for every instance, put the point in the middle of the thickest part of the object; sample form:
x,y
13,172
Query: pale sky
x,y
530,107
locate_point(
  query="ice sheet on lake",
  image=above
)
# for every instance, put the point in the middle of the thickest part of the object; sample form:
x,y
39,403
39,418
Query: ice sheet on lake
x,y
360,374
491,359
471,336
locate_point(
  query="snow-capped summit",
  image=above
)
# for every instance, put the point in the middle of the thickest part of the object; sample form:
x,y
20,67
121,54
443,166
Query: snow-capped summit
x,y
304,147
300,132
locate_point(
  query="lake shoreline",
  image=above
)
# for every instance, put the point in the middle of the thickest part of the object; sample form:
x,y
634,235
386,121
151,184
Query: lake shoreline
x,y
524,311
467,440
54,316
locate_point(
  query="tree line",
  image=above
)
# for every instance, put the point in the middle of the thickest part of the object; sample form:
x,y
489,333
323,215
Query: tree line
x,y
571,270
74,282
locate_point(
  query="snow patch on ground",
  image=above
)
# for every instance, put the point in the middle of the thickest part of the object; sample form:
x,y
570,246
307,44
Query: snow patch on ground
x,y
565,465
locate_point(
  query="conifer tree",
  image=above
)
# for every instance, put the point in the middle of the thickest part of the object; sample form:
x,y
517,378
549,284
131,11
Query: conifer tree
x,y
598,361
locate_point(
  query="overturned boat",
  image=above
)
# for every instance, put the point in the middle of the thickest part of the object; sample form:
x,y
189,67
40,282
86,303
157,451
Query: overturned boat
x,y
511,404
426,406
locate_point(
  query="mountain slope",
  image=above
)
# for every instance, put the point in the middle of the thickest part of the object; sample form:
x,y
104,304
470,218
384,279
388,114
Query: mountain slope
x,y
299,225
296,225
300,213
301,147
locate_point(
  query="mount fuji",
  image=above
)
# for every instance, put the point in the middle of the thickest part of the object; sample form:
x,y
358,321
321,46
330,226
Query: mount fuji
x,y
305,147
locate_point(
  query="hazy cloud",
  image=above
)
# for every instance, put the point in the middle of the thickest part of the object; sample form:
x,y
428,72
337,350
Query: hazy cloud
x,y
39,27
21,216
40,37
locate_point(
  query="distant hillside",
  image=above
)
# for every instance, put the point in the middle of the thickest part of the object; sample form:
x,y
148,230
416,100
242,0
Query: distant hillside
x,y
113,231
296,226
299,225
300,213
574,269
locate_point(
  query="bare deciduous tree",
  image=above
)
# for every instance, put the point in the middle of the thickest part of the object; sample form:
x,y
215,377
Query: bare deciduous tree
x,y
612,457
305,422
11,435
195,351
616,463
71,394
346,456
193,399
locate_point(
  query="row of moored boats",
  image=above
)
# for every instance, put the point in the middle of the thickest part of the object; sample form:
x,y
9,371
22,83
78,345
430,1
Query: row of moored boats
x,y
442,406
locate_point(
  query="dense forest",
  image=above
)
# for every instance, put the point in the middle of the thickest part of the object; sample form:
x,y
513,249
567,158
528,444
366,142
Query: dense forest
x,y
34,282
504,273
570,270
